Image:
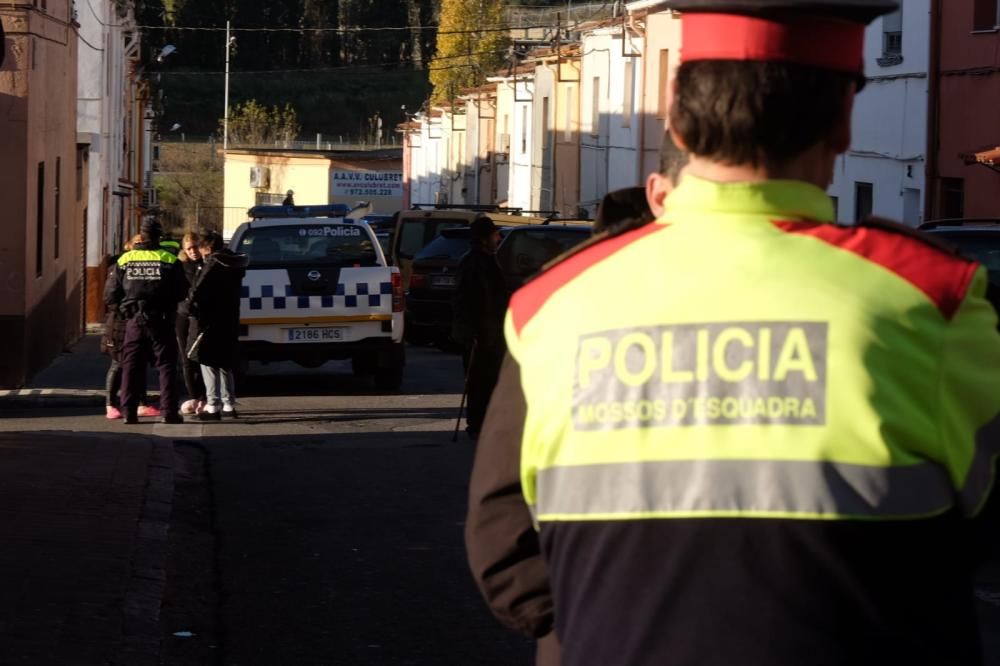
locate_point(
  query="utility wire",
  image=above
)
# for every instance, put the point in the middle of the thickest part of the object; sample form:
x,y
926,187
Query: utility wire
x,y
347,31
339,68
99,20
362,66
83,39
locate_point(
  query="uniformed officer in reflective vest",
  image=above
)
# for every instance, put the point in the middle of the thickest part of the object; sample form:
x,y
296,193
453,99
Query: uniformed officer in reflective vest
x,y
745,434
147,285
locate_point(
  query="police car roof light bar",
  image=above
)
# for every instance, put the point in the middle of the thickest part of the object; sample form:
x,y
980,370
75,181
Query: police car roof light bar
x,y
284,212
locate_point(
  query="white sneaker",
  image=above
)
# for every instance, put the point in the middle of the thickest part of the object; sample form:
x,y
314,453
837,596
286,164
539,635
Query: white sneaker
x,y
210,413
229,410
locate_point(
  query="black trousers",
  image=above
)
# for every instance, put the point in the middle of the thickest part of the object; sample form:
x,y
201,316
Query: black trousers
x,y
483,375
155,340
193,380
113,386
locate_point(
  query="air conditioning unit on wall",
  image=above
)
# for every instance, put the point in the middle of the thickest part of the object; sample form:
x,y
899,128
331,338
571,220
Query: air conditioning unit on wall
x,y
260,177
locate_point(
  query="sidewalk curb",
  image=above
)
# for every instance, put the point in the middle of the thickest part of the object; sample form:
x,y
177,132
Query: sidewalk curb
x,y
39,398
142,634
50,398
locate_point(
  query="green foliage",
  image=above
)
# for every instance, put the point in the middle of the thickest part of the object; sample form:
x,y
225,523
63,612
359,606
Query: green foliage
x,y
251,123
334,102
189,186
474,48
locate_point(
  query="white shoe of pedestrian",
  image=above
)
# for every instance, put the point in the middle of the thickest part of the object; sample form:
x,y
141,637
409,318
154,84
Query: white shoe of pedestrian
x,y
210,413
229,410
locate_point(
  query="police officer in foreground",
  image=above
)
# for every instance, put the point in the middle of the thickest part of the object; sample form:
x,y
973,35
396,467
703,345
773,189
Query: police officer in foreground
x,y
147,285
747,435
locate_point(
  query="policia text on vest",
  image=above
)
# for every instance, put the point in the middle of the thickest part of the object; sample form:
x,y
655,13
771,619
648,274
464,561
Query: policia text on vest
x,y
702,374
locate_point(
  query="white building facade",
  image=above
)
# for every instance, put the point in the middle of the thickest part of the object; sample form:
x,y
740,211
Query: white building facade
x,y
883,173
111,119
610,101
520,91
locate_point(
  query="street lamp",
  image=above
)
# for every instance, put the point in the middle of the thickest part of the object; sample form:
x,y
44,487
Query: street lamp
x,y
166,51
230,41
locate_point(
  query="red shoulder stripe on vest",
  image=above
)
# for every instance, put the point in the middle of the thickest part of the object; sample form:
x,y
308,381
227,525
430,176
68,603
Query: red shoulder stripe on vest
x,y
528,300
944,278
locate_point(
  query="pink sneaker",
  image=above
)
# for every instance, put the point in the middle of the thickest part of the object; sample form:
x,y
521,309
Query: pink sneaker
x,y
112,413
148,410
189,407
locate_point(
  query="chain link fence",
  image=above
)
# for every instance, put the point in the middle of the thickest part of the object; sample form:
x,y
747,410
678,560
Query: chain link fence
x,y
197,218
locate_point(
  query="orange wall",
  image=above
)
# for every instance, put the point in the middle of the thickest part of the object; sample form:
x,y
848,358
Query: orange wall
x,y
40,310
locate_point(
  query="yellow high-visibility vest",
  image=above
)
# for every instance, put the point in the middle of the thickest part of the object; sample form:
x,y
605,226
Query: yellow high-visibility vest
x,y
743,357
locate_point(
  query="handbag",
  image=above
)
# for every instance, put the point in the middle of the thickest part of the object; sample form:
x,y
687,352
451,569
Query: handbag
x,y
195,347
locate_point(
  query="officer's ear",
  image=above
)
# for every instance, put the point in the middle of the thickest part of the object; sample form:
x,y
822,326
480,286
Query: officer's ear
x,y
658,187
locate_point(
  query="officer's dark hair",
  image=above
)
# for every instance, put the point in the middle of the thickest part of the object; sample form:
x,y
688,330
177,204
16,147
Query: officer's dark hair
x,y
212,240
756,113
672,159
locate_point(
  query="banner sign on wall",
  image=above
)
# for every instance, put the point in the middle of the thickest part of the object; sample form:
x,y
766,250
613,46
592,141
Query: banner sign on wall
x,y
367,184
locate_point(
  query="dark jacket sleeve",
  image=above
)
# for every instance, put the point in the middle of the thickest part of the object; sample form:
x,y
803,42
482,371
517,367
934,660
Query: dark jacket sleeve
x,y
179,284
501,541
466,291
113,291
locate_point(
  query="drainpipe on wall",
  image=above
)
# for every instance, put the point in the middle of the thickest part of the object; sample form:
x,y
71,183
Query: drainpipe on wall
x,y
643,59
933,114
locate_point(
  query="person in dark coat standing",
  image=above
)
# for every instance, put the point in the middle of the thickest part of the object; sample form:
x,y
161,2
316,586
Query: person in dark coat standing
x,y
480,307
215,305
191,262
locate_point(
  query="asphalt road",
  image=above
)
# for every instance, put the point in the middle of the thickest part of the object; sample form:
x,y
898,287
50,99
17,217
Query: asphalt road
x,y
324,526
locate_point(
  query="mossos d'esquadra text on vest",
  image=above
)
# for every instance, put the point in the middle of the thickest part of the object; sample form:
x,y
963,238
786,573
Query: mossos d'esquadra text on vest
x,y
702,374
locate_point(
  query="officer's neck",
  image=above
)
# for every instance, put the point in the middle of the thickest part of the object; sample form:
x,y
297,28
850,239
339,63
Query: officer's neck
x,y
814,166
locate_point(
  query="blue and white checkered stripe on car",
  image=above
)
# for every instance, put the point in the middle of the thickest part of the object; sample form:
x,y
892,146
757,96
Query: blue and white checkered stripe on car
x,y
360,291
260,297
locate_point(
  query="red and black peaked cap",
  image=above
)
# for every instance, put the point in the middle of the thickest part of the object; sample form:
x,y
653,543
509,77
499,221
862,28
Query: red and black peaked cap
x,y
827,34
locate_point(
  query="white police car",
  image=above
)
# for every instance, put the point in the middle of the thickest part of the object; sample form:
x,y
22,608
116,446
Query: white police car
x,y
318,288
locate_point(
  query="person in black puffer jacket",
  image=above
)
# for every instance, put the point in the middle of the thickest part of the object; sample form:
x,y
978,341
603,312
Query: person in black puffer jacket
x,y
215,305
191,262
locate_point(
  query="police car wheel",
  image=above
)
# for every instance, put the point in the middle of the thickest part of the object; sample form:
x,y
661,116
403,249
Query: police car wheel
x,y
364,365
388,379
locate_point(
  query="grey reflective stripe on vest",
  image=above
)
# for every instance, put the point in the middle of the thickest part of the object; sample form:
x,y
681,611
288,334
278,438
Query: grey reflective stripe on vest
x,y
742,487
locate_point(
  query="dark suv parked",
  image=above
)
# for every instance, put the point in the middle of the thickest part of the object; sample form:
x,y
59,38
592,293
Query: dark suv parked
x,y
525,250
429,309
977,239
522,253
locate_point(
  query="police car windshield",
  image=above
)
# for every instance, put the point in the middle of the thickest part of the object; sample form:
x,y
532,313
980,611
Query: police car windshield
x,y
309,244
